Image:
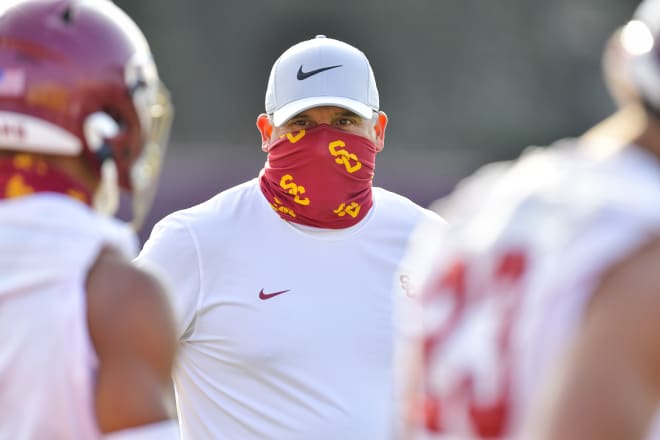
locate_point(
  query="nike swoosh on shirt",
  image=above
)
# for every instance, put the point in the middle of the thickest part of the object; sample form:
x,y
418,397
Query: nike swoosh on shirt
x,y
304,75
264,295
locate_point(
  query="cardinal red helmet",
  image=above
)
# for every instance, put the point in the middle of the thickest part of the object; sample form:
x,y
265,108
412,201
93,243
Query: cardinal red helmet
x,y
77,78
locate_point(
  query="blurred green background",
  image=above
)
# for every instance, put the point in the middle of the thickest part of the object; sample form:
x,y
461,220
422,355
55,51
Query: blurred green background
x,y
464,82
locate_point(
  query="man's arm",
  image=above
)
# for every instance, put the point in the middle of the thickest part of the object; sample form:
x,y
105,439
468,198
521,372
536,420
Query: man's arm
x,y
132,329
609,385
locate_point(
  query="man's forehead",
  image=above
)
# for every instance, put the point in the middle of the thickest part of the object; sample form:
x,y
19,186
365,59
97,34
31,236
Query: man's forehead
x,y
332,110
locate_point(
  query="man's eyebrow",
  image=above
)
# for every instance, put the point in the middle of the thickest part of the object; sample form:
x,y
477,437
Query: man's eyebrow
x,y
349,114
299,115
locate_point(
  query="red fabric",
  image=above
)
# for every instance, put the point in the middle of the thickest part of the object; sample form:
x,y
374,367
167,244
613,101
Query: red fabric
x,y
22,175
320,177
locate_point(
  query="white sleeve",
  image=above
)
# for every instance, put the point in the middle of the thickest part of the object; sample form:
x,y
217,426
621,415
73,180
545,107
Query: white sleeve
x,y
171,254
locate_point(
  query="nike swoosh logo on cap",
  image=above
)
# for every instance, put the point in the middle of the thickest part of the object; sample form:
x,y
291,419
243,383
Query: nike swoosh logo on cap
x,y
304,75
263,295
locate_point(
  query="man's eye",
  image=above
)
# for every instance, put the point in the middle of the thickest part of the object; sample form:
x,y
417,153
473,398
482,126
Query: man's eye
x,y
344,121
299,123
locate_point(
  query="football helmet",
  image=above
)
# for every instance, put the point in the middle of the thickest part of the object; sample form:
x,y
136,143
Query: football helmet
x,y
77,78
639,41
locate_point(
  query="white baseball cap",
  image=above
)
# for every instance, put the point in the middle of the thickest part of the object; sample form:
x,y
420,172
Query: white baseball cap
x,y
317,72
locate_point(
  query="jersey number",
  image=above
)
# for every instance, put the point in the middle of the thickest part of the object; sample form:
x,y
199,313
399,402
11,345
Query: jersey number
x,y
487,417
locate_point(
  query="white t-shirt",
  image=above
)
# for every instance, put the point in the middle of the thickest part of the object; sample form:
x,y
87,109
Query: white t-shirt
x,y
523,256
286,331
48,242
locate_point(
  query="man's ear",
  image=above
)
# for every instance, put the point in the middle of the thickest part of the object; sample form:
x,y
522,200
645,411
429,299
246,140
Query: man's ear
x,y
266,130
379,129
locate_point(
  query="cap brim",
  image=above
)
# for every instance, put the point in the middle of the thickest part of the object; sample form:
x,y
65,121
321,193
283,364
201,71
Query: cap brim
x,y
293,108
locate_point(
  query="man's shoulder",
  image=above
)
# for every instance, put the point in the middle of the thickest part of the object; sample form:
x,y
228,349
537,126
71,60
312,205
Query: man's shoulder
x,y
394,204
384,196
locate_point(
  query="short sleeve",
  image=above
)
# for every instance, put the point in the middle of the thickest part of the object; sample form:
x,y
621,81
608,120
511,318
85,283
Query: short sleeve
x,y
171,254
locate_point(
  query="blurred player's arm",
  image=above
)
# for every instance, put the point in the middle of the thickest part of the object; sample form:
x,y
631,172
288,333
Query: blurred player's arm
x,y
609,386
132,329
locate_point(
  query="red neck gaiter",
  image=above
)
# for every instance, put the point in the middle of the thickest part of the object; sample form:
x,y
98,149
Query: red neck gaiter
x,y
22,175
320,177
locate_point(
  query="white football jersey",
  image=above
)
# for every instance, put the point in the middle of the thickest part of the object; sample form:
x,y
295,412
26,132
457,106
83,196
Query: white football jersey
x,y
286,331
48,242
514,273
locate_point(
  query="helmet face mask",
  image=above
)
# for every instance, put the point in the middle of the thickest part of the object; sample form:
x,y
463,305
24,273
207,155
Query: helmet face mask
x,y
86,85
155,113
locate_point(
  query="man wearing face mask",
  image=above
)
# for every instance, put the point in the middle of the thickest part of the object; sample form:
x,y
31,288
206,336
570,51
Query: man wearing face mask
x,y
286,284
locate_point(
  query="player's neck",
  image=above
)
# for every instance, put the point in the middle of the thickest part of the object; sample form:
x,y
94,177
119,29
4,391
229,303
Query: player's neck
x,y
649,138
631,125
72,167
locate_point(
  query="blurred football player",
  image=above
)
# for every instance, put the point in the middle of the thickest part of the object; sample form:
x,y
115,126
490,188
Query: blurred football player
x,y
88,340
541,314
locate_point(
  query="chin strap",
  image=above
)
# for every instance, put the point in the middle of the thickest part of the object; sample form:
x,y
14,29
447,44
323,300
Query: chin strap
x,y
106,197
99,127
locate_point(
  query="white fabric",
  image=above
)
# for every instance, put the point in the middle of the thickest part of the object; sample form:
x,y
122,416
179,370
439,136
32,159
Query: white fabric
x,y
48,243
572,214
314,362
165,430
